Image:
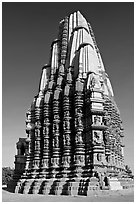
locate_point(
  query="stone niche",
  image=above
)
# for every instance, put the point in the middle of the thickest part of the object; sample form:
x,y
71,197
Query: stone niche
x,y
20,157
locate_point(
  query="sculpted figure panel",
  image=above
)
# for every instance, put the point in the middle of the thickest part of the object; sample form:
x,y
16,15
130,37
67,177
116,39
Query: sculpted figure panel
x,y
97,120
97,137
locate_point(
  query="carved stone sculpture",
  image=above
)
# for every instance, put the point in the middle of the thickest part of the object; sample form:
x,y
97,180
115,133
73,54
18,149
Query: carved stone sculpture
x,y
74,130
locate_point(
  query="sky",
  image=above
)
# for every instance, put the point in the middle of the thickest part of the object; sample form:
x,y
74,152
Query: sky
x,y
28,30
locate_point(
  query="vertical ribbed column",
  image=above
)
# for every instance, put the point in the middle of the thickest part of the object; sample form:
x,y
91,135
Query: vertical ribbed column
x,y
88,134
38,133
121,145
64,42
38,110
67,98
57,104
48,130
29,143
57,123
108,135
48,125
54,59
107,132
79,153
30,131
46,137
55,160
46,88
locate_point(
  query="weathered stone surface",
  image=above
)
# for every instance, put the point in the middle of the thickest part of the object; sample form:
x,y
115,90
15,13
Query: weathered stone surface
x,y
74,130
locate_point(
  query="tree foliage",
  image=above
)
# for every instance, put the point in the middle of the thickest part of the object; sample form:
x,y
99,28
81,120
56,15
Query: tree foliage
x,y
128,171
7,174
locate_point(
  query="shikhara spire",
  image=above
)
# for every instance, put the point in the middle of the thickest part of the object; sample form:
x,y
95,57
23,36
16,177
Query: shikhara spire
x,y
74,130
76,46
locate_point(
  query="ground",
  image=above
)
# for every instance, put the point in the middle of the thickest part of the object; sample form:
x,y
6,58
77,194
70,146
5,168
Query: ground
x,y
103,196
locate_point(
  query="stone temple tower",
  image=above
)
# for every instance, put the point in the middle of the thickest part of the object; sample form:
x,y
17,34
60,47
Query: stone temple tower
x,y
74,130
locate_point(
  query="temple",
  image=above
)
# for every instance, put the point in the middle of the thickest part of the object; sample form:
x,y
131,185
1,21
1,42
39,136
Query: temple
x,y
74,142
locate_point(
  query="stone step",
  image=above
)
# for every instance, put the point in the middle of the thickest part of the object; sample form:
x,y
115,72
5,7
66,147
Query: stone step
x,y
26,186
57,186
70,188
35,187
46,186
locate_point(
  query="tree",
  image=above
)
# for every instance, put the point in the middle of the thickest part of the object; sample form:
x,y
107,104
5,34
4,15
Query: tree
x,y
128,171
7,175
